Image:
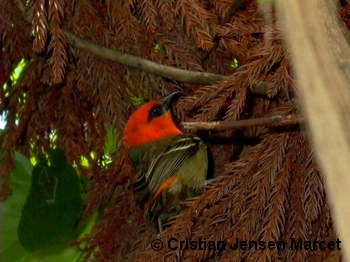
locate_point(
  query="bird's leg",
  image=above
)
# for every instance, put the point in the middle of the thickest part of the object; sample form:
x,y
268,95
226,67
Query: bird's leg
x,y
210,181
165,216
160,225
162,218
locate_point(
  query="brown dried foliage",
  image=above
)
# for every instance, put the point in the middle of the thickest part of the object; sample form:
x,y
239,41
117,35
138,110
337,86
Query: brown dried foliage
x,y
270,187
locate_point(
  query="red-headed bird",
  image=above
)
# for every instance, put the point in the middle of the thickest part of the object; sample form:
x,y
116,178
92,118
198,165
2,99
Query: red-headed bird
x,y
170,165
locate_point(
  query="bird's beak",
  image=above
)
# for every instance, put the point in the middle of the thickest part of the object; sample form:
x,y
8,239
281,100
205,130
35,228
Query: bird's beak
x,y
168,100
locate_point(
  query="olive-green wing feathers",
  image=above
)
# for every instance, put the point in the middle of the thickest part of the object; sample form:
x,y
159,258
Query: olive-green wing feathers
x,y
158,163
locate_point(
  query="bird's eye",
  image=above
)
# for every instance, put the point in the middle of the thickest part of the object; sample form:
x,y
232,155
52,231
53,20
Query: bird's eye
x,y
156,111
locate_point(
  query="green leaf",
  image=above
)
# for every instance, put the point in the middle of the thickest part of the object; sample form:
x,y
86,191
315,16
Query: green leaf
x,y
53,205
11,208
10,248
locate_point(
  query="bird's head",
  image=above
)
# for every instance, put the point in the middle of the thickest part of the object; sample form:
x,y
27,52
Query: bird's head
x,y
151,122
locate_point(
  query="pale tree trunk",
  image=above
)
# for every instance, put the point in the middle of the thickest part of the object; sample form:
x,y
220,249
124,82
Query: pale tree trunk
x,y
320,56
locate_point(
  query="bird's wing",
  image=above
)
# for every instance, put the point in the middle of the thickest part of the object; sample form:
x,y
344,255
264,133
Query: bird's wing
x,y
161,169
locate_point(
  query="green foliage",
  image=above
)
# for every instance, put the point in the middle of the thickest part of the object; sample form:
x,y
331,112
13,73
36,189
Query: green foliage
x,y
11,249
109,148
53,205
18,70
111,141
137,101
15,76
11,208
158,48
235,64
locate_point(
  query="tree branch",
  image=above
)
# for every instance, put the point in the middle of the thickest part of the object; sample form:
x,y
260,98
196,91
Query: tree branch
x,y
267,121
173,73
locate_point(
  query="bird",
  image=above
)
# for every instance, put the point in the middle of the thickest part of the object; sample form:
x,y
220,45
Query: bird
x,y
170,166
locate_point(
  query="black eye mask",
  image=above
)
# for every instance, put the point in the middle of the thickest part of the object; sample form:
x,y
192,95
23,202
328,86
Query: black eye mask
x,y
155,111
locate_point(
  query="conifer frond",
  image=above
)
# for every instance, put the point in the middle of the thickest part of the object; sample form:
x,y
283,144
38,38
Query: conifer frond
x,y
40,24
57,43
148,14
195,19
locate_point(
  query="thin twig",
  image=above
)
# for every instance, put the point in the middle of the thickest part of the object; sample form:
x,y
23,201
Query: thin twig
x,y
266,121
